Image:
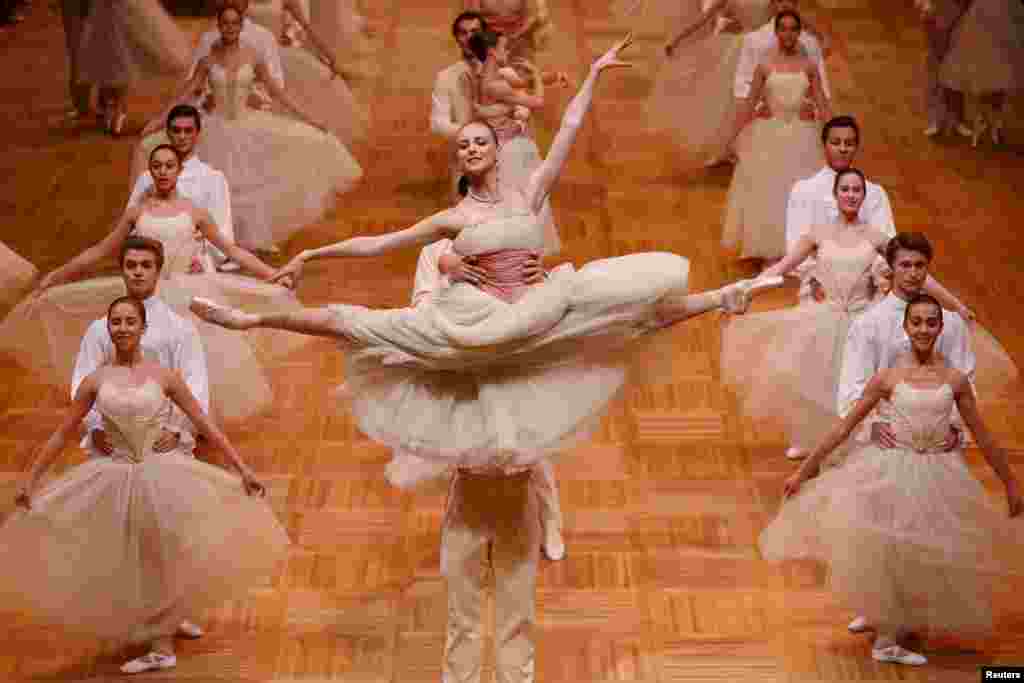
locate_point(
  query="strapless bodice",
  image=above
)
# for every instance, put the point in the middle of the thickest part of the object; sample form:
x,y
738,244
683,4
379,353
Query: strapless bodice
x,y
784,92
505,230
177,233
133,417
231,91
845,274
921,417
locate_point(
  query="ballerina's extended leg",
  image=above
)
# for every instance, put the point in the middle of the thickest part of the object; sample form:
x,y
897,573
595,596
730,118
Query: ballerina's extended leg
x,y
734,298
320,322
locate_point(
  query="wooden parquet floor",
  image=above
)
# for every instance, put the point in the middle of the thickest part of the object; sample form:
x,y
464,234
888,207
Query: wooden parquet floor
x,y
663,581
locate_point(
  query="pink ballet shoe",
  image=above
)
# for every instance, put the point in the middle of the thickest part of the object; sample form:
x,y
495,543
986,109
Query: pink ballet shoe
x,y
895,654
187,629
150,662
736,297
859,625
212,312
554,545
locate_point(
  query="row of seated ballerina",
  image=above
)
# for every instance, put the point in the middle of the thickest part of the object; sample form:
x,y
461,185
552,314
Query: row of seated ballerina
x,y
472,382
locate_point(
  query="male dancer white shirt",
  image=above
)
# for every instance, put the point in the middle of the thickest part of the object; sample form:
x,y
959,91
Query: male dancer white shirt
x,y
168,339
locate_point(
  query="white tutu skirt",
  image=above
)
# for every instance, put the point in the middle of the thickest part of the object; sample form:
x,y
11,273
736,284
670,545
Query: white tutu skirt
x,y
693,96
773,154
784,365
986,52
129,41
126,551
283,173
16,276
45,335
911,539
467,380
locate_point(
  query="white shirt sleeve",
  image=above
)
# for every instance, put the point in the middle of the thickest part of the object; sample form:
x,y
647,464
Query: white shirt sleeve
x,y
202,50
861,360
142,184
957,350
441,122
880,211
91,355
746,65
813,49
220,203
190,360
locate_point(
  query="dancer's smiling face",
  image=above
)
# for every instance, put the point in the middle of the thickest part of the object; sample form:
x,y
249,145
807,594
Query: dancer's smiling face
x,y
849,192
476,149
923,324
126,322
229,23
164,166
787,30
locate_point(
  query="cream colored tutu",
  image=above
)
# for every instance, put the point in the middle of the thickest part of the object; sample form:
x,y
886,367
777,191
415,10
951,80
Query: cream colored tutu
x,y
910,537
283,173
126,547
986,53
693,95
129,41
45,334
467,379
773,154
785,364
16,276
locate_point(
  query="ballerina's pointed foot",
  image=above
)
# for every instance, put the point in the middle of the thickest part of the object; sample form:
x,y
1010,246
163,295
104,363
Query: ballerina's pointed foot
x,y
737,296
215,313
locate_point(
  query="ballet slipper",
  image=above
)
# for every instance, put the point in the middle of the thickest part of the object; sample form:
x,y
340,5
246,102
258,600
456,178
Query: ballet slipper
x,y
895,654
215,313
736,297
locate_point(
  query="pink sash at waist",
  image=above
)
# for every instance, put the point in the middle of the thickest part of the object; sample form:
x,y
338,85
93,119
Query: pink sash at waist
x,y
504,270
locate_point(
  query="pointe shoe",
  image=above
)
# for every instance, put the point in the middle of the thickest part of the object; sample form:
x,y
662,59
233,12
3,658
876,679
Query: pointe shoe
x,y
979,128
794,453
229,267
150,662
117,123
962,130
895,654
554,545
187,629
932,131
736,297
858,625
213,312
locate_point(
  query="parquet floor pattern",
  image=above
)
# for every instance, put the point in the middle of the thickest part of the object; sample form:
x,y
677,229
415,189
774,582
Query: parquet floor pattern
x,y
663,581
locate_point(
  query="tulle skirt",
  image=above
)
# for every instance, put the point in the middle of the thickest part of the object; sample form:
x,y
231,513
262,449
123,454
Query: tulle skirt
x,y
773,154
911,539
16,276
785,367
283,173
693,95
466,379
128,41
45,335
986,53
125,551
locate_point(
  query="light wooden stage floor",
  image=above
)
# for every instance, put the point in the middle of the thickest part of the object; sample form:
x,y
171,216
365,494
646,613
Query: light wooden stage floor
x,y
663,581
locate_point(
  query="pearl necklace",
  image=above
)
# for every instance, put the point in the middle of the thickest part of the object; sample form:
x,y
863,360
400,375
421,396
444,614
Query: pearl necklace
x,y
484,200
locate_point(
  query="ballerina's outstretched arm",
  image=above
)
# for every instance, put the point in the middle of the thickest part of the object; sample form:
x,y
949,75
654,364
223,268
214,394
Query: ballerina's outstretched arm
x,y
878,388
68,430
91,257
994,455
243,257
706,16
179,393
544,178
